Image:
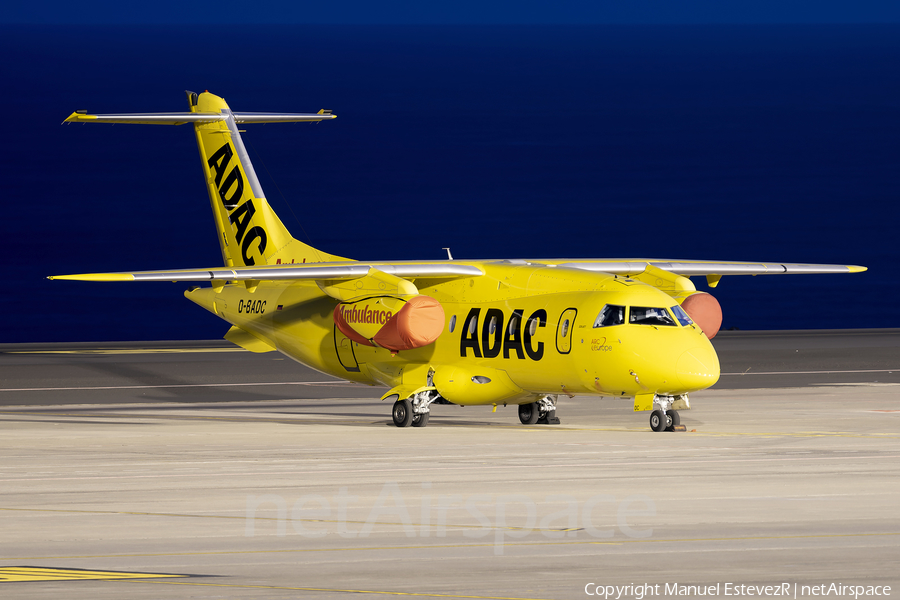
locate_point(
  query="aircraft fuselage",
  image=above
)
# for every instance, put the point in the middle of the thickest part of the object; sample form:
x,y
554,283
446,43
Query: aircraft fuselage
x,y
524,330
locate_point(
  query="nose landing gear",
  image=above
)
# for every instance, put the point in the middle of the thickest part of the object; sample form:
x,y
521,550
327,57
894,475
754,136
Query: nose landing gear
x,y
672,420
664,421
664,417
658,421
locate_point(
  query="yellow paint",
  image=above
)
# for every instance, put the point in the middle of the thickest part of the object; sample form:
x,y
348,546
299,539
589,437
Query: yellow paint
x,y
376,283
713,280
674,285
77,117
514,334
96,277
643,402
212,138
350,591
248,341
544,542
20,574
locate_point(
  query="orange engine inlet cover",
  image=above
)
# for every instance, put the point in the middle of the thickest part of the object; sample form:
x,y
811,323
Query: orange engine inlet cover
x,y
418,322
705,311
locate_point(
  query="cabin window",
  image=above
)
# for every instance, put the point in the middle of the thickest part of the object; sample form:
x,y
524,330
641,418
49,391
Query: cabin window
x,y
532,326
682,316
610,315
641,315
452,323
493,325
513,324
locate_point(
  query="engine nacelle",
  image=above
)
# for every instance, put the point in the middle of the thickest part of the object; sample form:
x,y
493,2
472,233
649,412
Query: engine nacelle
x,y
705,311
477,385
391,322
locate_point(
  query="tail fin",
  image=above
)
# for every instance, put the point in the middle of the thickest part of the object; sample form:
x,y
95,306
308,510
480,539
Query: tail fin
x,y
249,231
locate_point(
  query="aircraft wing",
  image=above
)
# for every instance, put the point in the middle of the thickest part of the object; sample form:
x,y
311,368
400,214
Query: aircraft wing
x,y
689,268
713,270
180,118
447,269
311,271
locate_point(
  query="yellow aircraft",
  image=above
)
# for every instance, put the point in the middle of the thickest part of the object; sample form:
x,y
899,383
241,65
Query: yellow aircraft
x,y
467,332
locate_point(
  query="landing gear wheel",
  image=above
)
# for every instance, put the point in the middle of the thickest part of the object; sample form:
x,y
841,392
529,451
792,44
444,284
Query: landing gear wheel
x,y
549,418
420,419
658,421
672,420
402,413
529,413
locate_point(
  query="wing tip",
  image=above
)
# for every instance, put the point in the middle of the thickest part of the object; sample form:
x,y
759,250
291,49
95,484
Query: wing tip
x,y
95,277
856,268
80,115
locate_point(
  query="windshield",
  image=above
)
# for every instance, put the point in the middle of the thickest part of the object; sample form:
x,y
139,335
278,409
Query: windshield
x,y
610,315
640,315
682,316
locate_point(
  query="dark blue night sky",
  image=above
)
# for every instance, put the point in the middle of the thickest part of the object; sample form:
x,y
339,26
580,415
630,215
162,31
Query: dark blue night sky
x,y
458,12
770,136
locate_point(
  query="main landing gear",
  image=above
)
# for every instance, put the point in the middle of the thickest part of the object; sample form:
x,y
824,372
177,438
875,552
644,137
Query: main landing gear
x,y
543,412
402,413
414,411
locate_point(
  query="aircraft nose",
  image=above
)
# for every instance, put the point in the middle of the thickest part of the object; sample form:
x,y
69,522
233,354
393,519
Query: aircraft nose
x,y
698,368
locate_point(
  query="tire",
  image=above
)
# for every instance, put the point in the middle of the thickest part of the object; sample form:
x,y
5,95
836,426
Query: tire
x,y
549,418
658,421
420,420
529,413
402,413
672,420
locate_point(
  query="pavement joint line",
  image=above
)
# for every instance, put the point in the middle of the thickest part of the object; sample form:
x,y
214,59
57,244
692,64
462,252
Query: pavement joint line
x,y
352,384
180,385
432,468
298,420
419,526
510,426
129,351
90,415
344,591
24,574
748,372
483,545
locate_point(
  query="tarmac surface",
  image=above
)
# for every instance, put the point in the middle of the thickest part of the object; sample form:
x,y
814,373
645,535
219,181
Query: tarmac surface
x,y
192,469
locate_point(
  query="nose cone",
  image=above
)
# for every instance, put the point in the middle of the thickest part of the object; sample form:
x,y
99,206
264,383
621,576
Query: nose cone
x,y
698,368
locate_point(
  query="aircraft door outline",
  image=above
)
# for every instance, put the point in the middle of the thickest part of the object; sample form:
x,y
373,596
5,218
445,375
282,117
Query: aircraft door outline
x,y
564,330
344,348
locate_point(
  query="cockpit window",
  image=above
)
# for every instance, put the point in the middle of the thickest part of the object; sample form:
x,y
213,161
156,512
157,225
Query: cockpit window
x,y
682,316
640,315
610,315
